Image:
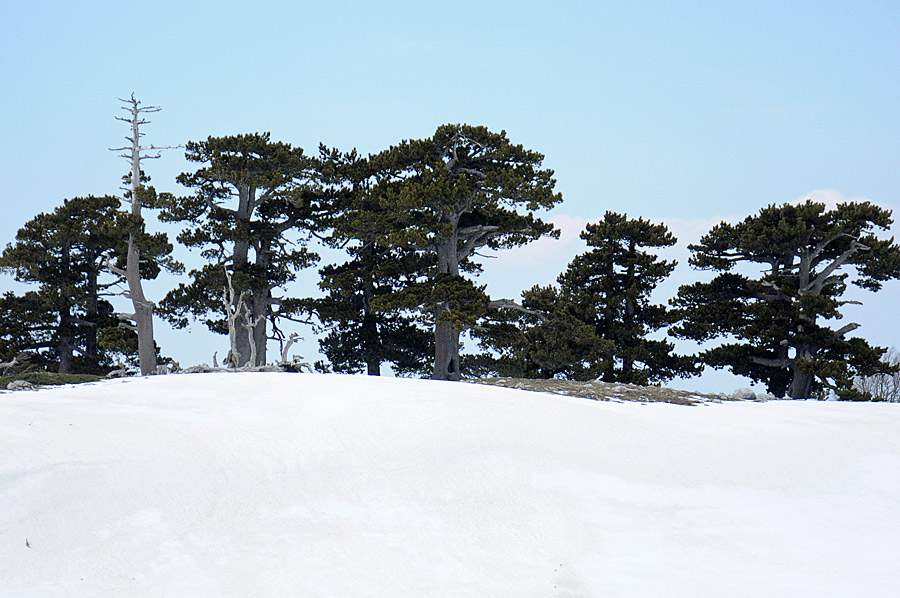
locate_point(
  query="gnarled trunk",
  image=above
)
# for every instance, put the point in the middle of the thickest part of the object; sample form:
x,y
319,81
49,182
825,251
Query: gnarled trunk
x,y
446,336
801,385
446,352
143,310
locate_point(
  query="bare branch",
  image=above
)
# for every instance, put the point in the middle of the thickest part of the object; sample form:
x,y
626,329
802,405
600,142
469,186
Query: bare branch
x,y
777,363
115,269
510,304
840,332
287,345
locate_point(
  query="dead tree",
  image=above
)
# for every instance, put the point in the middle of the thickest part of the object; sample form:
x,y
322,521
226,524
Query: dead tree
x,y
142,318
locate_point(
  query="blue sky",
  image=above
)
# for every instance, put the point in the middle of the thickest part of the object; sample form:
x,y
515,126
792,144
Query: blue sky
x,y
686,114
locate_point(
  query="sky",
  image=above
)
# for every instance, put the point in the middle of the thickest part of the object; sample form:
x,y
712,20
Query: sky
x,y
683,113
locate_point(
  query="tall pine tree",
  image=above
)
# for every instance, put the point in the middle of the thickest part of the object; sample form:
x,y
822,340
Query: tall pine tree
x,y
362,334
448,196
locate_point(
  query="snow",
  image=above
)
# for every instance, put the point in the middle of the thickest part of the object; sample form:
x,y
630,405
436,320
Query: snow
x,y
330,486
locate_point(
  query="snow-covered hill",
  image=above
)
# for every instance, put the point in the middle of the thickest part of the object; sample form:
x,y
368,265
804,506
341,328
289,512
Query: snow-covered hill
x,y
335,486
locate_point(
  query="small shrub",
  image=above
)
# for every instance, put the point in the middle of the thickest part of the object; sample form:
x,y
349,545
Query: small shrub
x,y
48,378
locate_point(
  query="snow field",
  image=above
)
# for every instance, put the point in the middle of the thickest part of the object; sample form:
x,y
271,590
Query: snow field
x,y
308,485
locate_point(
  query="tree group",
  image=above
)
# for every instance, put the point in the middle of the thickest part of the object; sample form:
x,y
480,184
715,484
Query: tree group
x,y
412,220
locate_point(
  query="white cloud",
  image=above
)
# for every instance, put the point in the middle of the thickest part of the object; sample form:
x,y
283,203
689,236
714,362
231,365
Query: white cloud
x,y
830,197
511,271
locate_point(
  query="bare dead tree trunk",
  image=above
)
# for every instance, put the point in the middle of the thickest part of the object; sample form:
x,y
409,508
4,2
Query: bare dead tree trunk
x,y
143,309
233,308
258,328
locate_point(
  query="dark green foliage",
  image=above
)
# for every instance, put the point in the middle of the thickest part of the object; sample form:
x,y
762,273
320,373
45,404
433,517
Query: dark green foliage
x,y
65,253
776,322
249,194
596,324
26,323
362,336
550,340
362,332
446,197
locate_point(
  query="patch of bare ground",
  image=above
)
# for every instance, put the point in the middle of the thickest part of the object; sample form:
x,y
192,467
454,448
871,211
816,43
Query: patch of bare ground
x,y
607,391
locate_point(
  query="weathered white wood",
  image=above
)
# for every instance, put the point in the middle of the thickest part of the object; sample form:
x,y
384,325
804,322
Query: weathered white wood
x,y
143,309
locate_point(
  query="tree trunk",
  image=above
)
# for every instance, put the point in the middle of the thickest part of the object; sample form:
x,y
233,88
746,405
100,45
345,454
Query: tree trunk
x,y
446,352
446,336
260,306
91,345
371,345
251,347
241,340
801,385
143,310
371,348
625,344
65,345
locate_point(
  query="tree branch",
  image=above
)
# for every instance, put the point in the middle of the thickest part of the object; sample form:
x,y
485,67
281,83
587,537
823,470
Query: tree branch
x,y
776,363
820,280
840,332
216,206
510,304
114,269
475,237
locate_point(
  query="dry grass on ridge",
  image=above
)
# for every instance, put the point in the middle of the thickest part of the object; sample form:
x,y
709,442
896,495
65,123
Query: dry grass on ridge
x,y
606,391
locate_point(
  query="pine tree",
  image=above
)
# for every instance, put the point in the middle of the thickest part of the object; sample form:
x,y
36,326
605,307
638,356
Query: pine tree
x,y
362,336
65,253
447,196
596,325
778,319
361,333
254,203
